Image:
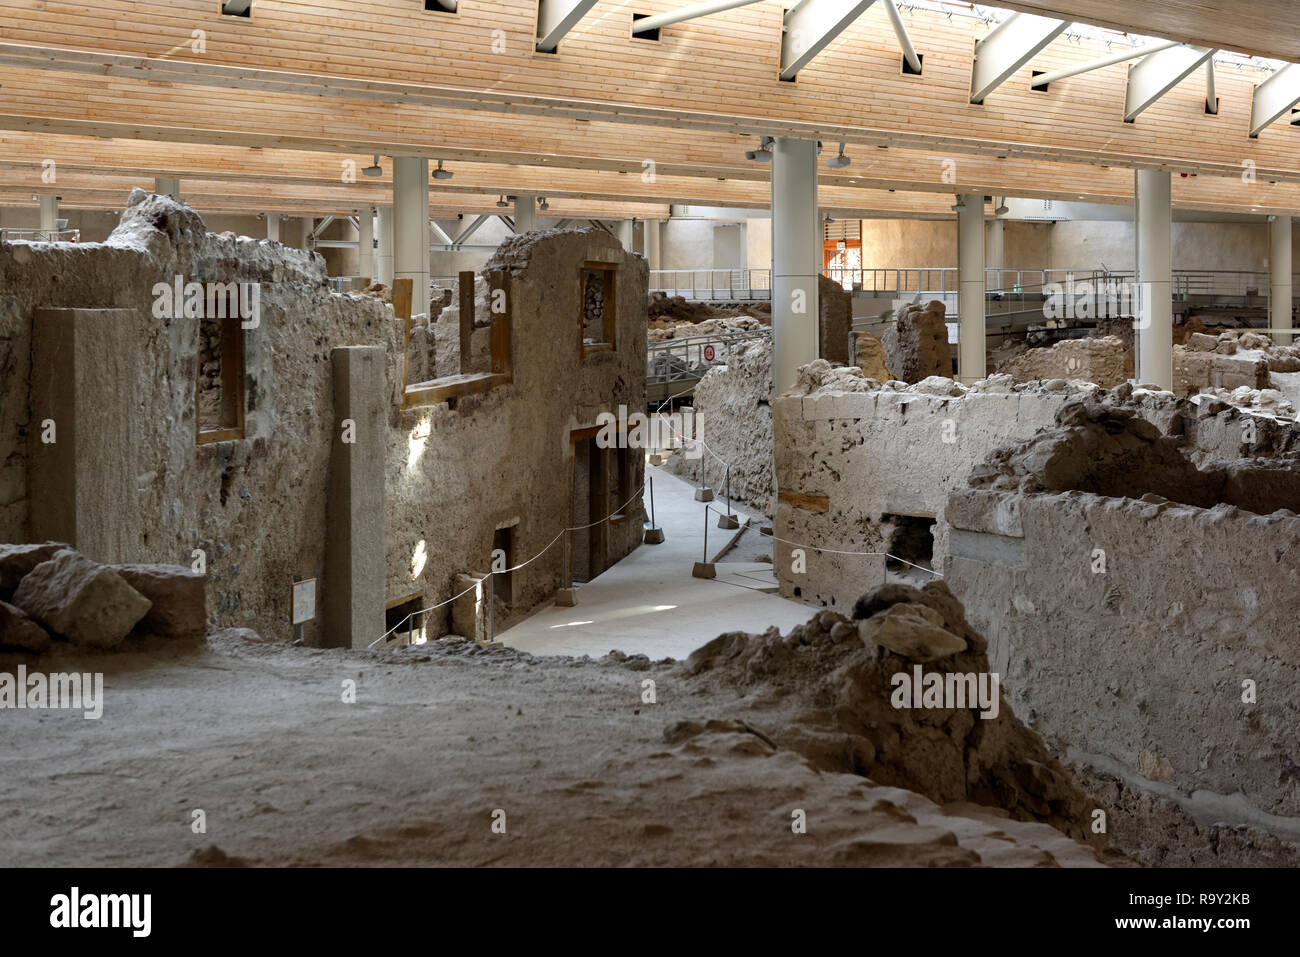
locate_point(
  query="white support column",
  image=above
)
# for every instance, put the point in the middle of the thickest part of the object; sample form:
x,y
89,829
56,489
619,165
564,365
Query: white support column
x,y
167,186
652,239
970,288
384,254
273,226
1153,218
995,249
366,243
411,228
625,235
49,213
525,214
796,259
1279,286
744,245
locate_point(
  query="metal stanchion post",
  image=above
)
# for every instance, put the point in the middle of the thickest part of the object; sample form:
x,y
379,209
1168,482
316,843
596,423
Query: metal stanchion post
x,y
705,569
492,606
567,596
654,535
728,520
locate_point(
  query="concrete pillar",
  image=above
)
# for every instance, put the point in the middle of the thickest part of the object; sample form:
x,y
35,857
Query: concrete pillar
x,y
411,228
623,230
744,245
525,213
366,243
796,259
354,548
1153,218
1279,286
167,186
970,288
78,471
384,251
994,249
273,226
653,252
49,213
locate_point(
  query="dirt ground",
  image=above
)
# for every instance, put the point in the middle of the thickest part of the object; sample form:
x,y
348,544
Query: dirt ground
x,y
442,741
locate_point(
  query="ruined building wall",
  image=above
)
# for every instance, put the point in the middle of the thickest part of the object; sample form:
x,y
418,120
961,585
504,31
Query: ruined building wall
x,y
1125,629
503,458
845,461
257,506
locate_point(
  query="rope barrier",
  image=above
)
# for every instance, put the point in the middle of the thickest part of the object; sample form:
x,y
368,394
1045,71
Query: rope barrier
x,y
477,584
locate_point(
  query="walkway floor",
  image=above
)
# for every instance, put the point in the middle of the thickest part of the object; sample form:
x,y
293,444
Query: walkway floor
x,y
649,603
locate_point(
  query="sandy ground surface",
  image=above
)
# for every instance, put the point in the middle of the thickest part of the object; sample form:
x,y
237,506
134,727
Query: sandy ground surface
x,y
440,737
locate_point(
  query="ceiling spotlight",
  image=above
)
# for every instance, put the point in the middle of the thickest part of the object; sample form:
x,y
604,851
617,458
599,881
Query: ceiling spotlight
x,y
543,204
839,161
502,202
374,169
1004,209
441,173
764,152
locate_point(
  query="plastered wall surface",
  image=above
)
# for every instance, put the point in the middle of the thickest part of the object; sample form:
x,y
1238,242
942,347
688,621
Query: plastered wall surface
x,y
1126,630
844,460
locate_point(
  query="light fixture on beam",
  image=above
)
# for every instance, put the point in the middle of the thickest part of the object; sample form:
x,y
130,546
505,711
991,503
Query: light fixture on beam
x,y
764,152
839,161
503,202
543,205
441,173
374,169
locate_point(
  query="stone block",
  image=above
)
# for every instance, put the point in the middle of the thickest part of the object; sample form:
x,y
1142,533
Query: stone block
x,y
17,630
17,560
179,598
85,602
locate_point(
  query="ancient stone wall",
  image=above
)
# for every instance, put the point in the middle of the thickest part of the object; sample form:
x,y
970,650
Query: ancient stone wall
x,y
733,413
256,507
916,343
1127,629
850,465
1103,360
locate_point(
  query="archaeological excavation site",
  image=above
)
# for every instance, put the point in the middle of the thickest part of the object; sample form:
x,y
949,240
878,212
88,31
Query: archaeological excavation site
x,y
583,435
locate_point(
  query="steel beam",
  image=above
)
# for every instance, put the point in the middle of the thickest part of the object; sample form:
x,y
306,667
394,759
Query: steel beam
x,y
1154,76
646,24
809,28
555,18
1274,97
1011,44
471,229
904,38
1108,60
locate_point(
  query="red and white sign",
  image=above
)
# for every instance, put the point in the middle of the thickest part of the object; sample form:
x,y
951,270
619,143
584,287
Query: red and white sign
x,y
708,353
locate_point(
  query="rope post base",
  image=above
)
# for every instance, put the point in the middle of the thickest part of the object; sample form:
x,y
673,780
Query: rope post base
x,y
704,494
704,570
566,597
728,521
653,536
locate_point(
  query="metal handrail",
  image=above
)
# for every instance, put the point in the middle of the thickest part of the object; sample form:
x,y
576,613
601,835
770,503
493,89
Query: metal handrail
x,y
40,235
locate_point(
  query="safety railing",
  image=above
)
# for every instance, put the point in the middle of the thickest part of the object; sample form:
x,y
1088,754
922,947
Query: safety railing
x,y
716,285
687,359
40,235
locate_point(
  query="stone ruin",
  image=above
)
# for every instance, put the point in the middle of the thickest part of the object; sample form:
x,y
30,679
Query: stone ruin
x,y
916,344
52,597
1103,360
147,481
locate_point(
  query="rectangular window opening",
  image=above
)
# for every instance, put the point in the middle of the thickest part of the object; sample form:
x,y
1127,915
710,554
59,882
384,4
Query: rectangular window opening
x,y
219,385
598,319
